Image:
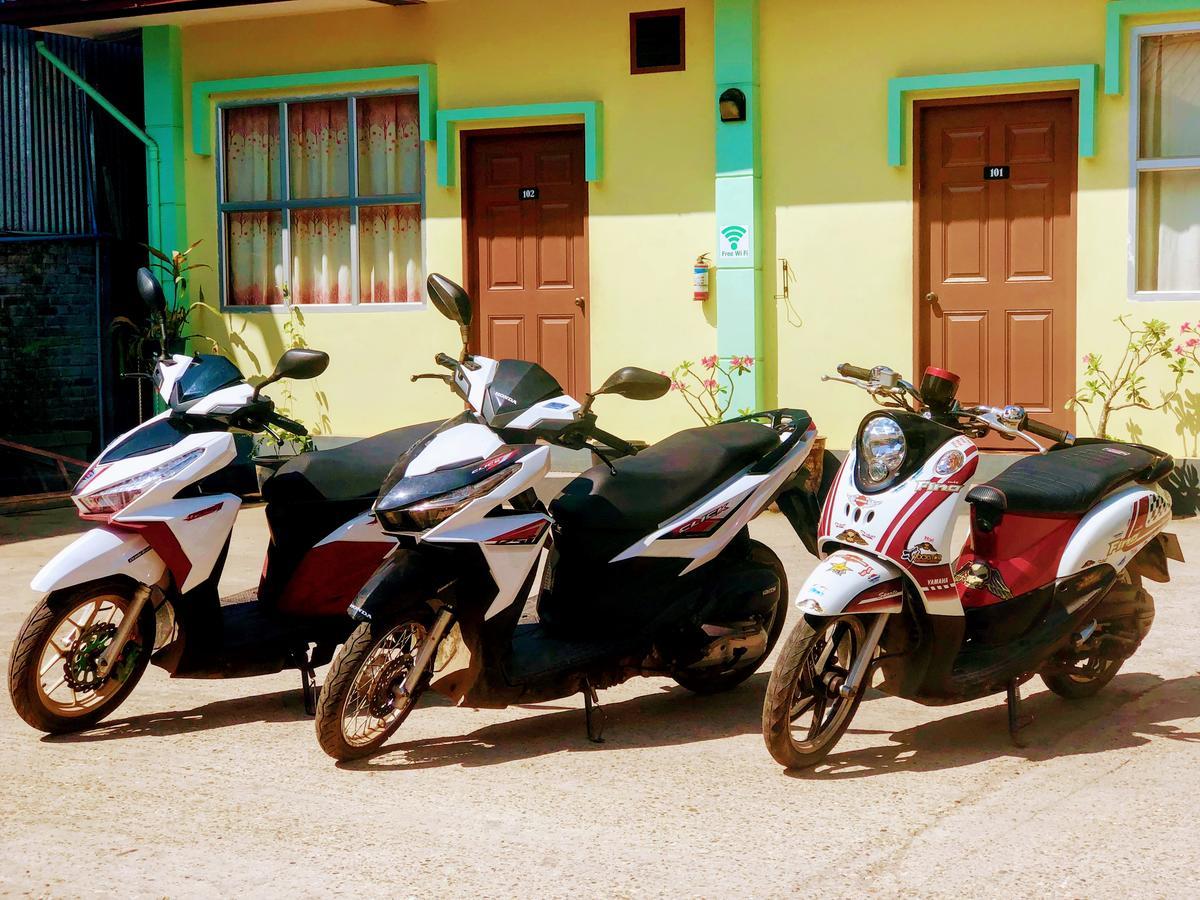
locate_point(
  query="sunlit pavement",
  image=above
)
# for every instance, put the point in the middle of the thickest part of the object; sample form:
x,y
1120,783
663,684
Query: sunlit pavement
x,y
211,788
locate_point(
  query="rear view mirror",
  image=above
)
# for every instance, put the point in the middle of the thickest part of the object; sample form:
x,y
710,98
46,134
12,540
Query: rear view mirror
x,y
151,291
635,384
298,363
450,299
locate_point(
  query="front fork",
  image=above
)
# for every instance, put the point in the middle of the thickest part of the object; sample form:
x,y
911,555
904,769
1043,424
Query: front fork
x,y
862,662
425,652
112,652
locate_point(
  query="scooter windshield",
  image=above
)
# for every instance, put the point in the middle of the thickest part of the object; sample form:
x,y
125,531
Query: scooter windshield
x,y
205,373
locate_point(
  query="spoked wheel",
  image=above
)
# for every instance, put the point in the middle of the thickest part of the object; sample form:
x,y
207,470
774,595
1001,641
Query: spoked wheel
x,y
804,712
53,676
358,708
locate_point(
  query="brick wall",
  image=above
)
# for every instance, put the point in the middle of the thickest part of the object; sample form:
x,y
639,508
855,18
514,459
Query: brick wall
x,y
48,352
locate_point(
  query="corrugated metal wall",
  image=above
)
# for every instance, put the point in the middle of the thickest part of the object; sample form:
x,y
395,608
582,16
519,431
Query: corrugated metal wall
x,y
52,135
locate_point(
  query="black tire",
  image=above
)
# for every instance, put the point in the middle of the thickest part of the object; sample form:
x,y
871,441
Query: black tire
x,y
1078,679
707,681
784,687
29,697
346,675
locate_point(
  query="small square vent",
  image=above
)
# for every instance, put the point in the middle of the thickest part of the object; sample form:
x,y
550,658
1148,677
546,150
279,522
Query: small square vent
x,y
656,41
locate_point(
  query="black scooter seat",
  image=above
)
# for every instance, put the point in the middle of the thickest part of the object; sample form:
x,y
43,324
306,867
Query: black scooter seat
x,y
662,480
1069,481
351,472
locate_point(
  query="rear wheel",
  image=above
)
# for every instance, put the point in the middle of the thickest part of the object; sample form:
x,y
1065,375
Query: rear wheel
x,y
52,674
804,713
358,708
715,679
1077,675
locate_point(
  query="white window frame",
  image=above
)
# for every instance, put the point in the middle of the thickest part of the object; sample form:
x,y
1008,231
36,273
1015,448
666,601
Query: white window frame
x,y
353,202
1138,166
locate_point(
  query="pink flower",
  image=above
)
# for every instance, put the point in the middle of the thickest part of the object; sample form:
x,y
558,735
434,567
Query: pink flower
x,y
1192,342
710,383
677,385
1179,349
1186,326
1087,359
709,362
742,362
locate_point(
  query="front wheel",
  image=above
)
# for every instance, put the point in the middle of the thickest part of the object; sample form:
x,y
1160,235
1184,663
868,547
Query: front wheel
x,y
52,676
804,712
358,708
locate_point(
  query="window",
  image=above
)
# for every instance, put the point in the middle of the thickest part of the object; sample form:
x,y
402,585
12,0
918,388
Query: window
x,y
656,41
1166,162
321,201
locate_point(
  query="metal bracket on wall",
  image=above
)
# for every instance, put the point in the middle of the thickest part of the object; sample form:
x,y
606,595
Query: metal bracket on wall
x,y
785,278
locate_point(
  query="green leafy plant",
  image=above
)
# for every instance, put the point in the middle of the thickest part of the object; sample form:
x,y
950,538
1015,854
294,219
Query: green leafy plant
x,y
293,329
1124,386
140,341
707,388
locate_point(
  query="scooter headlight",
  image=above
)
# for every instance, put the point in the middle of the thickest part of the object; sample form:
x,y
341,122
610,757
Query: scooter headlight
x,y
883,448
427,513
114,498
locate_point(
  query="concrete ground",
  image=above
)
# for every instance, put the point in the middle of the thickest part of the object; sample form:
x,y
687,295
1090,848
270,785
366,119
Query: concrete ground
x,y
214,788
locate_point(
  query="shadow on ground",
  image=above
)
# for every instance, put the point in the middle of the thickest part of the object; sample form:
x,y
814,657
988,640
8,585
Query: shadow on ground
x,y
1108,721
44,523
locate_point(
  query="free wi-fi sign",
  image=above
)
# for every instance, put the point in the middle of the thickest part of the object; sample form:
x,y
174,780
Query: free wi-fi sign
x,y
735,242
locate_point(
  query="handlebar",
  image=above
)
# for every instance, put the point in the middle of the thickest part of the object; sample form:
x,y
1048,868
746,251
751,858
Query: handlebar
x,y
611,440
1049,432
291,425
848,371
446,361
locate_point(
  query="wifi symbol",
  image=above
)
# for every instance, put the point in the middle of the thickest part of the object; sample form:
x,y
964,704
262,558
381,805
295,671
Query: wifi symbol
x,y
733,234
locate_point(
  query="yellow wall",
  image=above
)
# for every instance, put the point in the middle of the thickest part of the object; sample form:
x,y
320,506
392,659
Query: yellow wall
x,y
844,218
650,216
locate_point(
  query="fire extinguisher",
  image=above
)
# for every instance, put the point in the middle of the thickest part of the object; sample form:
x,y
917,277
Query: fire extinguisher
x,y
700,278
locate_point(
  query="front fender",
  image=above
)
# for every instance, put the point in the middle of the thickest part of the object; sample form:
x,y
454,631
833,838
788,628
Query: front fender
x,y
100,553
850,582
405,576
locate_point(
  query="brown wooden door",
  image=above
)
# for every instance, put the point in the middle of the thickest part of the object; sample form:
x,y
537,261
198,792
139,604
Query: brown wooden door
x,y
996,279
528,264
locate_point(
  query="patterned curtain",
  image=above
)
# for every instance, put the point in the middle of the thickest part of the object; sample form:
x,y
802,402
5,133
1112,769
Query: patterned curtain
x,y
389,163
255,239
319,166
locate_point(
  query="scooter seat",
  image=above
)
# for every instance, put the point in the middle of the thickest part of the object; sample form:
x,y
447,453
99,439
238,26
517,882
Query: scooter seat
x,y
1068,481
662,480
351,472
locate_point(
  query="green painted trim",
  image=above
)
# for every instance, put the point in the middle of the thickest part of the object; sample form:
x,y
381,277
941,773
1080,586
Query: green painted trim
x,y
738,196
1087,77
1115,14
203,91
592,112
162,93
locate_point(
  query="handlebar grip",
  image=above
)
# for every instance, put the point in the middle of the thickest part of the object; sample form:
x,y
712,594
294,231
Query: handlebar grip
x,y
446,361
848,371
287,424
611,440
1049,432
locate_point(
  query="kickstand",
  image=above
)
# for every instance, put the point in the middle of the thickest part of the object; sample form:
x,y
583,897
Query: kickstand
x,y
1016,722
592,710
308,686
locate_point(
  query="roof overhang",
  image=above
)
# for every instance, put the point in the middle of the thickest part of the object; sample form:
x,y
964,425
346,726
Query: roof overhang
x,y
54,13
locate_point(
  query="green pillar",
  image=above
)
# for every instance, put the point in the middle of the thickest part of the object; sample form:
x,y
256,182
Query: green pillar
x,y
162,91
739,197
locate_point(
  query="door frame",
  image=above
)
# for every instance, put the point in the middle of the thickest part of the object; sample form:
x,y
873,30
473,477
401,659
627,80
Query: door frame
x,y
466,138
919,262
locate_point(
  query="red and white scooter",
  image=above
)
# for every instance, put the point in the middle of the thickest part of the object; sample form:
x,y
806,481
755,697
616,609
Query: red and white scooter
x,y
1049,582
142,585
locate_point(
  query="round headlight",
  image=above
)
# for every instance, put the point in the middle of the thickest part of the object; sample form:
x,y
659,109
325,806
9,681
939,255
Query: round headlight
x,y
883,448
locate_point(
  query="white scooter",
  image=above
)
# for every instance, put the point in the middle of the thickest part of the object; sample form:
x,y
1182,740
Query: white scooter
x,y
649,567
165,496
1049,582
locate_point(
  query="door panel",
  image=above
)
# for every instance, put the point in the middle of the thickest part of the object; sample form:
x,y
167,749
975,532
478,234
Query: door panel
x,y
528,264
996,257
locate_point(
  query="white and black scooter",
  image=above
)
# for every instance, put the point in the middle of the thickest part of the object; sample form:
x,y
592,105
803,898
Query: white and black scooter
x,y
142,585
649,567
1048,583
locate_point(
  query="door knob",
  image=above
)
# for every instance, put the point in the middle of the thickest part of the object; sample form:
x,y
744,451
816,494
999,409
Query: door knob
x,y
931,297
579,301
